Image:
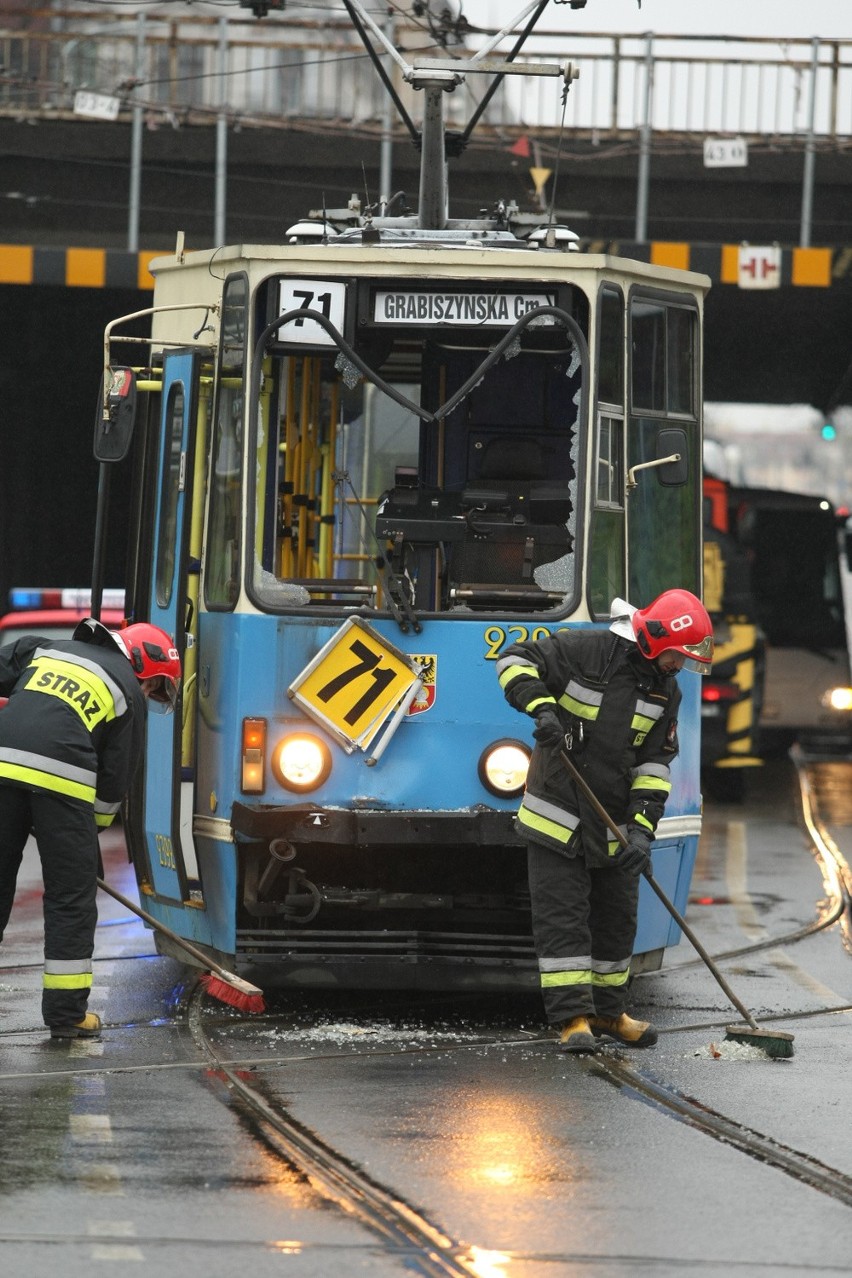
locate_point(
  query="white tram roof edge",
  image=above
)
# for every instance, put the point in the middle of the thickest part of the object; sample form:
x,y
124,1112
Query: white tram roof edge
x,y
442,260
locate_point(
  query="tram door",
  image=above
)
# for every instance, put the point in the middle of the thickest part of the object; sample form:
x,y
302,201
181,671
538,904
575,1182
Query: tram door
x,y
171,856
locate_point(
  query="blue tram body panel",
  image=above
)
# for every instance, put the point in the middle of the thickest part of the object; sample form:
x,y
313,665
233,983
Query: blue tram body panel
x,y
247,662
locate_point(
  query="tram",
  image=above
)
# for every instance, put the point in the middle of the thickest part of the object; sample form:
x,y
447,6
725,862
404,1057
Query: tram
x,y
367,459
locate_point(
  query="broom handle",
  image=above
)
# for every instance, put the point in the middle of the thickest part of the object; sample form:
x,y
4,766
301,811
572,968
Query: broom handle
x,y
204,959
672,909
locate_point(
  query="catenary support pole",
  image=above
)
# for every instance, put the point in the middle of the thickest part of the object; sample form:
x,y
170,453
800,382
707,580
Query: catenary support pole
x,y
221,137
810,153
386,150
134,197
645,144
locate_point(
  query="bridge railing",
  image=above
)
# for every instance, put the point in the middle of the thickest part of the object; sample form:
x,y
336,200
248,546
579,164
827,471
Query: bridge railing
x,y
189,67
696,85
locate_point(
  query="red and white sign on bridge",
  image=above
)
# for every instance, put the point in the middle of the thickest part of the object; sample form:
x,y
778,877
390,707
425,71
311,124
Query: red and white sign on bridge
x,y
759,266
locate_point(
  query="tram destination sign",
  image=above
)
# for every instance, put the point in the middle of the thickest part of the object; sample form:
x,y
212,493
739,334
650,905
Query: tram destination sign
x,y
462,308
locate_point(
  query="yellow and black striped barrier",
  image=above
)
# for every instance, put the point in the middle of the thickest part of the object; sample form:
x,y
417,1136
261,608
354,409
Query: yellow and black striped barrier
x,y
729,263
76,267
734,264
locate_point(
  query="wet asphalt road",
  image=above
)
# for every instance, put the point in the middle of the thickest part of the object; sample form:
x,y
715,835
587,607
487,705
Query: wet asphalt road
x,y
132,1152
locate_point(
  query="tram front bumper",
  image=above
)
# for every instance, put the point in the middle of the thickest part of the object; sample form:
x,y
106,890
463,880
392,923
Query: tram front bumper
x,y
307,823
431,900
389,902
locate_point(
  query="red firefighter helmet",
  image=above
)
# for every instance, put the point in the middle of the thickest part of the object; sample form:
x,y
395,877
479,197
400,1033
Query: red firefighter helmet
x,y
676,621
153,655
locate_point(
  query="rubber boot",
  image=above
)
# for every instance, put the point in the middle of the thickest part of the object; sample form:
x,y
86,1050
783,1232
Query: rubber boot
x,y
624,1030
577,1036
89,1027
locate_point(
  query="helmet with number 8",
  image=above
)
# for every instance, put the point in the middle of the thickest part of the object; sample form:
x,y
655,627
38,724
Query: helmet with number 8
x,y
154,658
151,653
676,621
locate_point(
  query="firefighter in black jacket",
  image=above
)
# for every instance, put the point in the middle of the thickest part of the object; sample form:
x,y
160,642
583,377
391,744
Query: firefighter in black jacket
x,y
70,739
611,698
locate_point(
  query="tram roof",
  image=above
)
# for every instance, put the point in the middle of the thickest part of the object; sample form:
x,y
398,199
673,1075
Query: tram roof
x,y
442,259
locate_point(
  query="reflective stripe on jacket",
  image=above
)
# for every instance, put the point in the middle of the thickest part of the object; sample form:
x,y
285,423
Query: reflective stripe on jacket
x,y
623,713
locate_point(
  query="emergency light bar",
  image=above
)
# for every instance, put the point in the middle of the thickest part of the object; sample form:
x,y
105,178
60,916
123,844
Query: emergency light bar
x,y
72,597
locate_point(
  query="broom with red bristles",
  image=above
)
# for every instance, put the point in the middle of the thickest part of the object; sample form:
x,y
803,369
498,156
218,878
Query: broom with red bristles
x,y
219,983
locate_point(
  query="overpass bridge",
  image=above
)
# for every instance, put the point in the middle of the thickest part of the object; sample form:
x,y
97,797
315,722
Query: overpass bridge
x,y
117,130
114,122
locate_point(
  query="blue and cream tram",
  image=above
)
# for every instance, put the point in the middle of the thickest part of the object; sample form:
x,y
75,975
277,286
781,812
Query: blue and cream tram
x,y
366,460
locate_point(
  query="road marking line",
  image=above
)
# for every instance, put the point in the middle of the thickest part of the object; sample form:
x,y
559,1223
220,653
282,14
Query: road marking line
x,y
116,1251
103,1178
737,879
104,1229
86,1047
90,1129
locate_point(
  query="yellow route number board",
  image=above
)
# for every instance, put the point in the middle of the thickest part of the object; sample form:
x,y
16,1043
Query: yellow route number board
x,y
354,683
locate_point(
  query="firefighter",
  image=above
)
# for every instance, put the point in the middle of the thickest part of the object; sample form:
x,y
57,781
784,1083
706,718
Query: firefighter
x,y
70,739
609,697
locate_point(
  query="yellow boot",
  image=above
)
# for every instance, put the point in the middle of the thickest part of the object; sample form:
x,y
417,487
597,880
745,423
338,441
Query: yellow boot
x,y
577,1036
89,1027
624,1030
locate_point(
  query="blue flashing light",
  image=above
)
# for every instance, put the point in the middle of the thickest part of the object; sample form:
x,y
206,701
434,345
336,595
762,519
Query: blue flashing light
x,y
20,597
828,431
76,598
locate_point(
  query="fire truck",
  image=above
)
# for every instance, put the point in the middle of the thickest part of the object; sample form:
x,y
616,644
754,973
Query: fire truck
x,y
732,694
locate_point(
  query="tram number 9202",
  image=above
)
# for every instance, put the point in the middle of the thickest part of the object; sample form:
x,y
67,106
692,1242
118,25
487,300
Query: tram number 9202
x,y
498,637
165,851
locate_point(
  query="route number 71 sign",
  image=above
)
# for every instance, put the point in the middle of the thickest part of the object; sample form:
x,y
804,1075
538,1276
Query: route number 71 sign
x,y
354,684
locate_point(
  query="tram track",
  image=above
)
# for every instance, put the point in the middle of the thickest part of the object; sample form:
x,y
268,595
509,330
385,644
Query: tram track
x,y
422,1244
836,871
381,1210
384,1211
826,849
801,1166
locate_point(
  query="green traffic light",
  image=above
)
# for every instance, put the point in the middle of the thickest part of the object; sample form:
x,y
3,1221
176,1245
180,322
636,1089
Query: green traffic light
x,y
829,431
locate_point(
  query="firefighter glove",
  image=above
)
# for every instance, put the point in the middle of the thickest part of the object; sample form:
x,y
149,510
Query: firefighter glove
x,y
548,730
636,857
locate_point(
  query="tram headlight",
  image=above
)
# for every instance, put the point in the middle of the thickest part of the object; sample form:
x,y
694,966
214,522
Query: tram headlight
x,y
301,762
839,699
503,767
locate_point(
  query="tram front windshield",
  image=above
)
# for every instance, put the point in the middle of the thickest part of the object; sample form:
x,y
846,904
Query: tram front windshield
x,y
358,499
437,467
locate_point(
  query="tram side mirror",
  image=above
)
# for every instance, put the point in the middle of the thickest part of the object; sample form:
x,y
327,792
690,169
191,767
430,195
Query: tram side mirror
x,y
672,443
115,416
670,463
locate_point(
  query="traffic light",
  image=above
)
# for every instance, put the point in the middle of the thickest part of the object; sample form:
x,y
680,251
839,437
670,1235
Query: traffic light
x,y
828,431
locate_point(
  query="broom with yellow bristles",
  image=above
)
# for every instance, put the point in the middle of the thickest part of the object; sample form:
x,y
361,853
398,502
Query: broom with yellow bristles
x,y
218,982
776,1043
